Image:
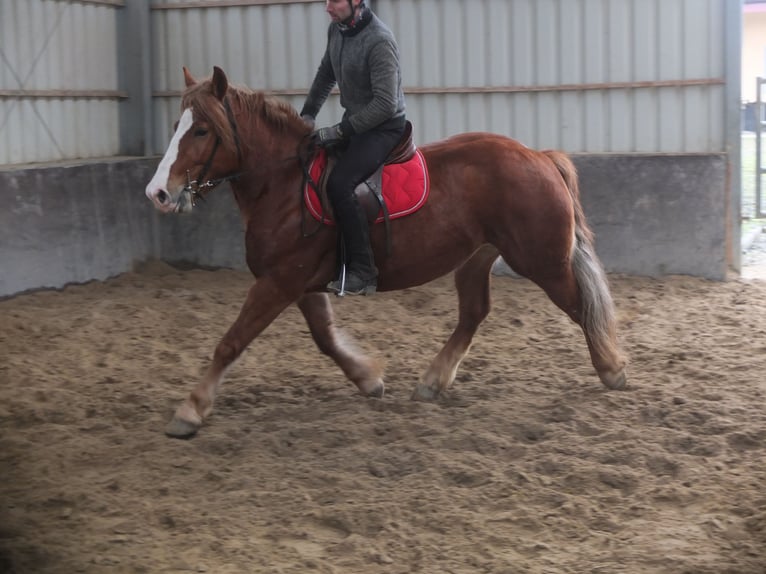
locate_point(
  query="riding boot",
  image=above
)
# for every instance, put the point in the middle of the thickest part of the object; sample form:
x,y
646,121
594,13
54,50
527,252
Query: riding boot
x,y
361,277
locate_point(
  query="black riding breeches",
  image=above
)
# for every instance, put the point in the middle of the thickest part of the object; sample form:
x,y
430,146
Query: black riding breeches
x,y
366,152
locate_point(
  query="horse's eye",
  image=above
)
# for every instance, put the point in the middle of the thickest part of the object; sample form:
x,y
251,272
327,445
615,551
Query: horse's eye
x,y
200,132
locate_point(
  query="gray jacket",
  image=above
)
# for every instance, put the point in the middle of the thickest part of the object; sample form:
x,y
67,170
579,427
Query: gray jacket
x,y
365,65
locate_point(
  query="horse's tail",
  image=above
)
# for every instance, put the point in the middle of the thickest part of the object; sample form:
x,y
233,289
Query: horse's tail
x,y
598,315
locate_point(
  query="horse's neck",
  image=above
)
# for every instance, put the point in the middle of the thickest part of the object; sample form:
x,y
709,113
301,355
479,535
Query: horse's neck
x,y
270,159
269,142
271,169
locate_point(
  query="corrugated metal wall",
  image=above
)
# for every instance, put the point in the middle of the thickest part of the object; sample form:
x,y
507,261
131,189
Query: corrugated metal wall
x,y
594,76
579,75
273,46
59,94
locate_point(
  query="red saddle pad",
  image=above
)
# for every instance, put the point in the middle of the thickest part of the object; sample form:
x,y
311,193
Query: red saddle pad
x,y
405,187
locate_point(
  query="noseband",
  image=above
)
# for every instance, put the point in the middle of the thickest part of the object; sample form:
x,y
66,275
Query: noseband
x,y
193,188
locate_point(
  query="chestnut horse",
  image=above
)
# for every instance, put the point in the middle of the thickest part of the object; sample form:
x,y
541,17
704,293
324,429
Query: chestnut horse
x,y
490,196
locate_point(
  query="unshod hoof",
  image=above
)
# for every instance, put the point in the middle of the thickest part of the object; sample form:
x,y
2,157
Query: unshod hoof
x,y
614,381
377,392
179,428
424,393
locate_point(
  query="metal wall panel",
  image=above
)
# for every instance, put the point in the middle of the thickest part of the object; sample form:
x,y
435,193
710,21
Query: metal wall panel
x,y
272,47
596,76
59,93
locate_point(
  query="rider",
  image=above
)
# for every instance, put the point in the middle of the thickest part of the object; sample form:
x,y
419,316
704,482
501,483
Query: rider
x,y
362,57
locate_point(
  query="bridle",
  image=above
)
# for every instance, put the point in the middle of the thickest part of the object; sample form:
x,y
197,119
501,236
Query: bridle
x,y
194,188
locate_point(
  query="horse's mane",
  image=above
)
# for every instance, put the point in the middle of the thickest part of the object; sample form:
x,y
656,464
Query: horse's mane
x,y
276,112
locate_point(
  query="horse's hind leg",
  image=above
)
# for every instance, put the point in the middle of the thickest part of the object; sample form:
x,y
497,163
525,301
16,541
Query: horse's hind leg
x,y
472,280
364,372
582,292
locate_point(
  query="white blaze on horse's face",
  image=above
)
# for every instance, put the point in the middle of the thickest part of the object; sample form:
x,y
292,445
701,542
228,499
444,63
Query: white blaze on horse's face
x,y
164,199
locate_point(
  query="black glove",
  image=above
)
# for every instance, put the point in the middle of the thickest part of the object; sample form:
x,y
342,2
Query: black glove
x,y
328,136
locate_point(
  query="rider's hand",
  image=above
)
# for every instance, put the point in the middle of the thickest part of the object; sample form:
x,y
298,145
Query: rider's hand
x,y
328,136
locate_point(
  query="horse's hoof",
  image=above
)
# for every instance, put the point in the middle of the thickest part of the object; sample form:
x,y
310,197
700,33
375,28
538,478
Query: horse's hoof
x,y
615,381
179,428
377,392
424,393
373,389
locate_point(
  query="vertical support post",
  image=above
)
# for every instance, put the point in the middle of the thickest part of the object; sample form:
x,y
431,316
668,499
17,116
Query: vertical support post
x,y
733,136
134,60
759,123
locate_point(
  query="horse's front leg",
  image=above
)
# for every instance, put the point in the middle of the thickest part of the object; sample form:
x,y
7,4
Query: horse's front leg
x,y
363,371
265,301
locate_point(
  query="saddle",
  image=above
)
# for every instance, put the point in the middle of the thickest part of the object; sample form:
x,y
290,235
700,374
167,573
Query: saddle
x,y
370,191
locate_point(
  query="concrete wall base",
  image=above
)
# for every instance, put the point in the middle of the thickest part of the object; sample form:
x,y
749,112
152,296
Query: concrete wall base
x,y
73,223
652,215
656,215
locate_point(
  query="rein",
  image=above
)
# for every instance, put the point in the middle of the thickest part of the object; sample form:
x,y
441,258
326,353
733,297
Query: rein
x,y
193,188
305,162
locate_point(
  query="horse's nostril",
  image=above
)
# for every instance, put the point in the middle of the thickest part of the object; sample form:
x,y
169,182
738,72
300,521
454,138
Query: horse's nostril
x,y
162,196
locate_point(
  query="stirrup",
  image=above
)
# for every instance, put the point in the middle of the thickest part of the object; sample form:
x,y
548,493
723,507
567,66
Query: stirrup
x,y
351,284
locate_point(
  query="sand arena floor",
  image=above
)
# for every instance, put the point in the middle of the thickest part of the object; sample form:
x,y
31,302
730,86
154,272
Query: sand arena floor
x,y
527,465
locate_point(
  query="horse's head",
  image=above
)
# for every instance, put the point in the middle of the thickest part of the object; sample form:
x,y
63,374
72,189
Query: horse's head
x,y
204,150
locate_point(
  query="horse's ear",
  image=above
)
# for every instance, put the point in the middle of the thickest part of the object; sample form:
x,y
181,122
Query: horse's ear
x,y
188,78
220,83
